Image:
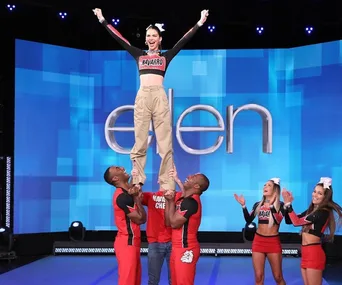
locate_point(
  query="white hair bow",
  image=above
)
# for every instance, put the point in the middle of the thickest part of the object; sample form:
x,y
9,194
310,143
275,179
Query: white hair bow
x,y
159,26
326,181
275,180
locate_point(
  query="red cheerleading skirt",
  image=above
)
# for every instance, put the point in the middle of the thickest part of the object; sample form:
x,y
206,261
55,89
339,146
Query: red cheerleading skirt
x,y
313,257
266,244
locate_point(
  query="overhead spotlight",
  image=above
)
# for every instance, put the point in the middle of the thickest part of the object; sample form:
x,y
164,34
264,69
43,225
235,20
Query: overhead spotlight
x,y
10,7
115,21
77,231
260,30
6,240
309,30
211,28
62,14
248,232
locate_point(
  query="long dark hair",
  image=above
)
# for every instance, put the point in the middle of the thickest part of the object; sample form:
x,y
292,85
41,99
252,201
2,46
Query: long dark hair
x,y
327,204
153,27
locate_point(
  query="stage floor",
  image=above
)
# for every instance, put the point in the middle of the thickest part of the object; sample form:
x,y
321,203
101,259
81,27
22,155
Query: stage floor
x,y
102,270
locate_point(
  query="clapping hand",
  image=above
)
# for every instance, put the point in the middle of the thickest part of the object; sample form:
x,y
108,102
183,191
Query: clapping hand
x,y
287,196
240,199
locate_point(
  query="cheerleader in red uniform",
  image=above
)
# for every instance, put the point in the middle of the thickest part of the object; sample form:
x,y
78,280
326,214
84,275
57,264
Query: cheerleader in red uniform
x,y
266,244
315,220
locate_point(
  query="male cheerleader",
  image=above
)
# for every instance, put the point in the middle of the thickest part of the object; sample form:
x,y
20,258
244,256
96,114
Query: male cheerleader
x,y
183,212
129,214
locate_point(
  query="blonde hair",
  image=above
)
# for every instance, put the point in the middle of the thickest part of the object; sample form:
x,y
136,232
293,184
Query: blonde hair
x,y
276,189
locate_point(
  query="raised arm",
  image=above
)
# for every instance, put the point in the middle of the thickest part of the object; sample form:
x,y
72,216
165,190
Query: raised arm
x,y
319,216
296,220
249,216
132,208
174,175
140,208
168,204
187,37
135,52
178,218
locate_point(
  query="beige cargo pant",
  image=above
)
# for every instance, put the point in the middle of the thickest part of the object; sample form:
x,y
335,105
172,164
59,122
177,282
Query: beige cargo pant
x,y
151,104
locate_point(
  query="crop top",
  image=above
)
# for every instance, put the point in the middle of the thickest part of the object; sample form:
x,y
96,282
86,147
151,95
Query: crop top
x,y
317,220
265,212
150,64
